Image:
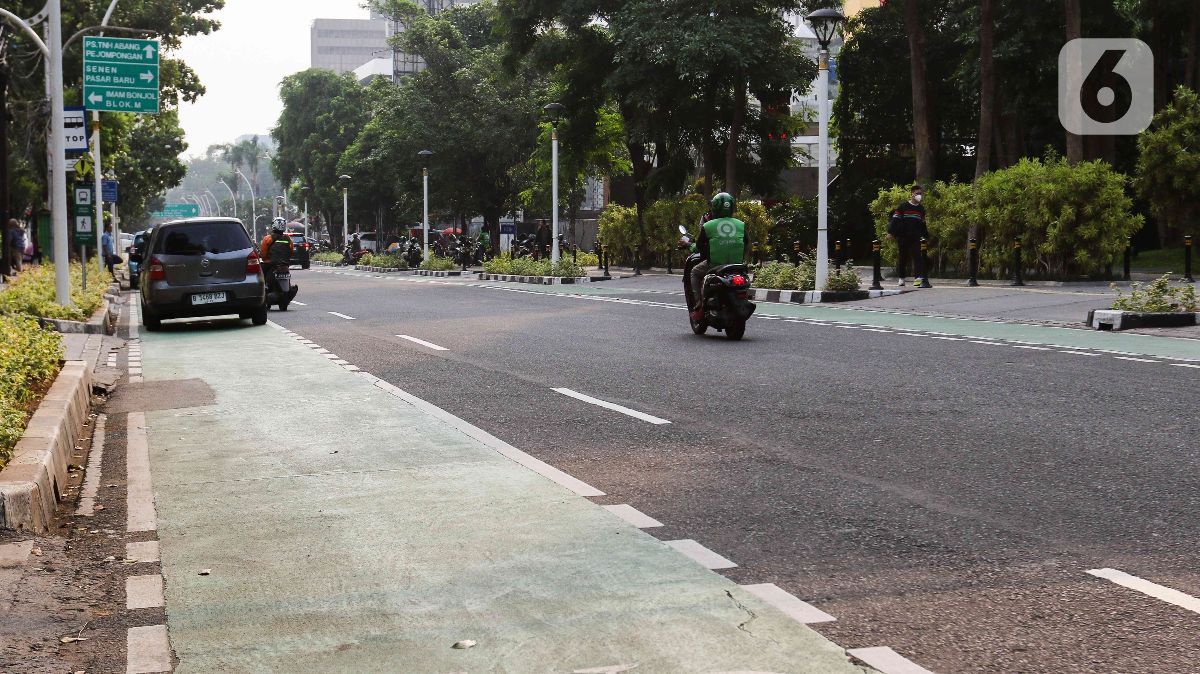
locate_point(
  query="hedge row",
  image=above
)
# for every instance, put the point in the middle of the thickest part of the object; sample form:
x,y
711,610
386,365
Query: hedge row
x,y
33,293
527,266
29,360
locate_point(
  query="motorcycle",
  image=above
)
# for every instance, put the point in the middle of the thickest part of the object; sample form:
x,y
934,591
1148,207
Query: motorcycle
x,y
280,290
351,256
726,290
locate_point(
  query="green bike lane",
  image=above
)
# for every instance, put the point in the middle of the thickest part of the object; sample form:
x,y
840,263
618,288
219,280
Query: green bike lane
x,y
313,518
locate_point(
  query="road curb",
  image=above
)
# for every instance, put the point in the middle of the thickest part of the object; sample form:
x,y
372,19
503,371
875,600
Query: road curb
x,y
320,263
32,483
820,296
1115,320
102,322
536,280
438,274
379,270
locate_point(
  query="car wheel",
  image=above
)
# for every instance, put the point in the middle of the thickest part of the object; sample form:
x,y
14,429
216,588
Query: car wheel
x,y
305,265
259,317
152,322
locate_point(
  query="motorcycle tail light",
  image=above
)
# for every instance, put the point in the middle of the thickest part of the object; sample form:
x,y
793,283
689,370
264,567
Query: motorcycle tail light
x,y
739,280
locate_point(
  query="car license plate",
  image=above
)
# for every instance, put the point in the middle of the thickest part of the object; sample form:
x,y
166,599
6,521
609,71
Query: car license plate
x,y
208,298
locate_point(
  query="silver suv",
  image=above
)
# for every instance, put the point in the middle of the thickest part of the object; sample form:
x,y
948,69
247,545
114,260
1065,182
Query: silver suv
x,y
201,267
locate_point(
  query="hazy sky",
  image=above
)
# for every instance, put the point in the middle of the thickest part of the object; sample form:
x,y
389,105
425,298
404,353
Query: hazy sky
x,y
260,42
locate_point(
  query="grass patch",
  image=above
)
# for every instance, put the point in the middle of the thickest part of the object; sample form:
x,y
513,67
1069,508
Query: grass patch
x,y
438,263
328,256
1161,260
30,358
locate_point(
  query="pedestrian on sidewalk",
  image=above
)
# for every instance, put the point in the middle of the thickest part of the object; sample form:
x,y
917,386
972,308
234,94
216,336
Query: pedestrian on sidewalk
x,y
907,226
108,250
542,241
16,246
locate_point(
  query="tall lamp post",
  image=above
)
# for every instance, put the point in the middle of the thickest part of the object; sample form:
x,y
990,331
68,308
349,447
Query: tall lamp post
x,y
304,191
215,200
232,198
554,111
825,24
279,201
253,216
345,180
425,155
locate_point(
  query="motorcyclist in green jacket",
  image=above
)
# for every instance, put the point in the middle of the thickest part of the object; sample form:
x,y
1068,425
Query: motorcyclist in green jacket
x,y
722,241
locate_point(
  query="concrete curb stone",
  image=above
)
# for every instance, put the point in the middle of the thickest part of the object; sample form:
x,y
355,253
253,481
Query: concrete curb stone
x,y
536,280
819,296
379,270
31,484
1128,320
437,274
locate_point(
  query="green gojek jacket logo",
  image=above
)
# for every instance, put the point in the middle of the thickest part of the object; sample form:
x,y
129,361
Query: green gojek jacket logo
x,y
726,241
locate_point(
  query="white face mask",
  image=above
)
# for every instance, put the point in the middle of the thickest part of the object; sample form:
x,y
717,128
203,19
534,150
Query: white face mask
x,y
917,198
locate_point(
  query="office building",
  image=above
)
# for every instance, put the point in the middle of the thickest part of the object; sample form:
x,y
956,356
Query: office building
x,y
404,64
341,45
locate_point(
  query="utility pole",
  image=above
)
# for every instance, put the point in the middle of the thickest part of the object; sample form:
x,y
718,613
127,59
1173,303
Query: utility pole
x,y
5,194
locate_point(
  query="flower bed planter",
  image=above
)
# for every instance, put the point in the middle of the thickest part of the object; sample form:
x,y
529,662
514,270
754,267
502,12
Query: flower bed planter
x,y
103,322
1128,320
536,280
379,270
32,483
819,296
438,274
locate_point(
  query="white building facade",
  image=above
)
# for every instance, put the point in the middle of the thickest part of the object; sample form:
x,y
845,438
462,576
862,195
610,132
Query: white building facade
x,y
341,45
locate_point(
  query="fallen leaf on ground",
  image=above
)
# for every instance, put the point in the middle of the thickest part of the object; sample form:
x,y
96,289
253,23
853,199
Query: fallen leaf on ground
x,y
36,552
98,507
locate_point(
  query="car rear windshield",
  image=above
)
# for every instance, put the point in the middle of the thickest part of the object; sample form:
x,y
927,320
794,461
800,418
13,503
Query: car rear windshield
x,y
197,238
297,238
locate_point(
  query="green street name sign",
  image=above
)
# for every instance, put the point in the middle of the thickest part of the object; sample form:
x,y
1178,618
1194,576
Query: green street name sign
x,y
177,212
120,75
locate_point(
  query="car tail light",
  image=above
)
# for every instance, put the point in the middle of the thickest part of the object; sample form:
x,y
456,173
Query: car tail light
x,y
739,280
253,266
306,246
157,271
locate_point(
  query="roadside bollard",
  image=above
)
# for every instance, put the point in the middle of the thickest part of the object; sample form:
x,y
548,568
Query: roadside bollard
x,y
1128,256
1017,264
837,255
606,257
847,253
973,263
796,251
877,253
925,264
1187,260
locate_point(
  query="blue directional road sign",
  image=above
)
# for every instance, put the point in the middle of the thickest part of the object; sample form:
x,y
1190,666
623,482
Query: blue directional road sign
x,y
120,74
109,189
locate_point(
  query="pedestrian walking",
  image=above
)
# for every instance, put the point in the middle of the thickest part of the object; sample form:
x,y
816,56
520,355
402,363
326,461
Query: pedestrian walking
x,y
907,226
16,246
542,241
109,251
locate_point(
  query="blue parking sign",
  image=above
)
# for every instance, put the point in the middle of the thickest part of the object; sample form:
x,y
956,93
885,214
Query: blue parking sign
x,y
109,190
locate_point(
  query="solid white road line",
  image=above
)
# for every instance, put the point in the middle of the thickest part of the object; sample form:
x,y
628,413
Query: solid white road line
x,y
1136,360
1195,367
299,304
497,445
633,516
139,496
144,591
887,661
424,343
1031,348
91,483
1171,596
349,318
792,606
1081,353
148,650
700,554
612,406
145,551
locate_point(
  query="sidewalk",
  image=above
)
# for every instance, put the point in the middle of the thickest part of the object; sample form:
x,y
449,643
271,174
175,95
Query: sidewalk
x,y
363,533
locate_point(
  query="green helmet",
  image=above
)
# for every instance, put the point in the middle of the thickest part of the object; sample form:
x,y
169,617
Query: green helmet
x,y
723,205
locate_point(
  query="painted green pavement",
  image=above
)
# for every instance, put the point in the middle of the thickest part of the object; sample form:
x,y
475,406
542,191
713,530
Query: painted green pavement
x,y
355,533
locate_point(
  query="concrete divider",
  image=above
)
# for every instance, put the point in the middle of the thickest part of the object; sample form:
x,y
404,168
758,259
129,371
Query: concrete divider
x,y
32,483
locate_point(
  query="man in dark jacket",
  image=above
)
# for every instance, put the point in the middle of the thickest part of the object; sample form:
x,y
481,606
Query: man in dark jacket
x,y
907,226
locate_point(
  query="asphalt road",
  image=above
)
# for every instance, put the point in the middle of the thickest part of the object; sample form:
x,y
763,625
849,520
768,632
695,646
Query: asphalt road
x,y
941,496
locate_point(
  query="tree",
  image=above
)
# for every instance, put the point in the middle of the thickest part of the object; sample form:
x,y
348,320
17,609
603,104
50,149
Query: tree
x,y
1168,158
1074,23
987,88
323,113
922,113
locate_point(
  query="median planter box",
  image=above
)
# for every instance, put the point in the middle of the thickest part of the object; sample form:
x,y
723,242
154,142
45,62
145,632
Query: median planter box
x,y
379,270
103,322
32,483
819,296
1127,320
536,280
438,274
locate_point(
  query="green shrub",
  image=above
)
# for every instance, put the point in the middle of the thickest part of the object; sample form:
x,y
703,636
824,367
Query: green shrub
x,y
328,256
384,260
438,263
1072,221
618,231
527,266
567,269
787,276
1159,296
586,259
29,360
501,264
844,279
33,293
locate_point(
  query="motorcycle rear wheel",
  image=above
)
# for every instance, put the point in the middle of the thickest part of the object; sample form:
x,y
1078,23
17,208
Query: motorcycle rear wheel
x,y
699,327
736,330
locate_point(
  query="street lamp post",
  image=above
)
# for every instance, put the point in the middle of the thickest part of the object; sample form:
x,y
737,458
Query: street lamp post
x,y
232,198
345,180
825,23
554,111
425,155
281,211
253,216
216,202
304,191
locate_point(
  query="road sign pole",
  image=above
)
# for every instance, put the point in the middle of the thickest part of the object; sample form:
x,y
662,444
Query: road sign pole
x,y
99,200
58,174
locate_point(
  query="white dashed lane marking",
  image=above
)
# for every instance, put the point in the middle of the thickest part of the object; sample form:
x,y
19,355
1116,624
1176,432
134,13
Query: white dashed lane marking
x,y
633,516
700,554
795,608
348,318
612,406
887,661
1169,595
1137,360
428,345
299,304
